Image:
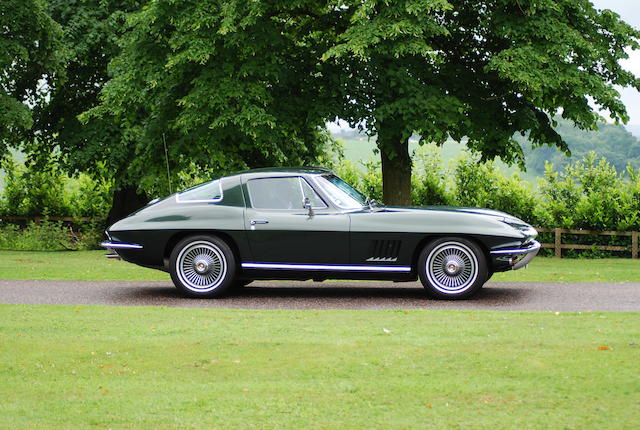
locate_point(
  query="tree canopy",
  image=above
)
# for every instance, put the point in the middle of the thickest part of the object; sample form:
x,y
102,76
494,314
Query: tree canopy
x,y
232,81
30,59
231,84
228,85
91,29
485,70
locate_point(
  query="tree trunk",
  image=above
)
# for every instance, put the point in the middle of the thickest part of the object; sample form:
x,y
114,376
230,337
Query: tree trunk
x,y
125,200
396,168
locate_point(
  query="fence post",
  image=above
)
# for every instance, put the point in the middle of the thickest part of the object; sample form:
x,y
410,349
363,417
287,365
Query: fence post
x,y
634,244
558,242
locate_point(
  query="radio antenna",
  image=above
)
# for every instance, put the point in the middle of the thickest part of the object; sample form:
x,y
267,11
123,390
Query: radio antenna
x,y
166,158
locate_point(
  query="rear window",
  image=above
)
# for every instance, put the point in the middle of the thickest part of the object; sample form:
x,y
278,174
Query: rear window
x,y
209,191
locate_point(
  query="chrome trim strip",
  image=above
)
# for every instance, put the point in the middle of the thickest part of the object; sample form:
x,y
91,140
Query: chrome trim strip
x,y
533,248
113,245
328,267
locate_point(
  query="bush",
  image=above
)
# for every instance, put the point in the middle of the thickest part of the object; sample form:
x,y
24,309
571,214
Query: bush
x,y
32,192
29,192
46,236
482,185
429,184
590,194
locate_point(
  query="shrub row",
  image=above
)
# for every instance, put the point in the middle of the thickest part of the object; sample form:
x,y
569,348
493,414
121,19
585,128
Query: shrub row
x,y
588,194
32,192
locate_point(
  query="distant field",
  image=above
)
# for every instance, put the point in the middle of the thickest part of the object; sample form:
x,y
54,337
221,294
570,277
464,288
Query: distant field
x,y
361,150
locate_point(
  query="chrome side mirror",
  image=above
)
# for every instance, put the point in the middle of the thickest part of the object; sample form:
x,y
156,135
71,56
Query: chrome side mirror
x,y
306,203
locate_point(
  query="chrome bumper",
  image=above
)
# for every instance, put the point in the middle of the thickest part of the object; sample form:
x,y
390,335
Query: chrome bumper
x,y
114,245
520,256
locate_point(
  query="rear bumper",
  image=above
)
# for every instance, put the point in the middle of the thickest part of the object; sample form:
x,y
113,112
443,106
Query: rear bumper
x,y
519,257
118,245
114,247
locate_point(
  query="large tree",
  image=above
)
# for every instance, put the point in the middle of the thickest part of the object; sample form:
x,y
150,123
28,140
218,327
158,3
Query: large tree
x,y
30,60
91,29
227,85
483,70
230,81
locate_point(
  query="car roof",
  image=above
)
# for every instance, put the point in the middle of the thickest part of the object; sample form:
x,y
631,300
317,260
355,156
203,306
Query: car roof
x,y
284,171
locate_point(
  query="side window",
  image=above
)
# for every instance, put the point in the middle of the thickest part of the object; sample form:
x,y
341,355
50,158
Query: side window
x,y
209,191
275,193
314,198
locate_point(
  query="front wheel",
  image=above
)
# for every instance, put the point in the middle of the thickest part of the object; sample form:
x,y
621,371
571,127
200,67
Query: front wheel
x,y
202,266
452,268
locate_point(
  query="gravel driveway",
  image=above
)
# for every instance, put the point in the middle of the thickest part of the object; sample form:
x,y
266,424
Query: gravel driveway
x,y
521,296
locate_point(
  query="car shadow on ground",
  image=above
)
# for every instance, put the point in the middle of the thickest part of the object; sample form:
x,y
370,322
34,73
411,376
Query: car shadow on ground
x,y
283,295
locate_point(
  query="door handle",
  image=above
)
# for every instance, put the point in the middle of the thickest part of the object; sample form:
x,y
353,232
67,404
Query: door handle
x,y
259,221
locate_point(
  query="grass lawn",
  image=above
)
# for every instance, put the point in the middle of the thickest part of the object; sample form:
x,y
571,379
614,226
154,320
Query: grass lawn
x,y
125,367
92,265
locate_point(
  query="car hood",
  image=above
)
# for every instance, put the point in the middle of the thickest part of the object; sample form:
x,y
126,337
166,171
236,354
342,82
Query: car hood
x,y
502,216
441,219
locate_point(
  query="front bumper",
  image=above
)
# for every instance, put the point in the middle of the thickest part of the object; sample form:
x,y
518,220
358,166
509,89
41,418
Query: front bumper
x,y
519,257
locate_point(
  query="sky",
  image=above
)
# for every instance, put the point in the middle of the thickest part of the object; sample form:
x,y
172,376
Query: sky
x,y
629,11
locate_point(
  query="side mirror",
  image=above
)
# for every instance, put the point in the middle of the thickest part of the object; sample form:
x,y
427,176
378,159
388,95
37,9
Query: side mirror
x,y
306,203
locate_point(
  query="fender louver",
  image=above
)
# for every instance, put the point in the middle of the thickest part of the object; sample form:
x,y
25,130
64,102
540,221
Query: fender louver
x,y
385,250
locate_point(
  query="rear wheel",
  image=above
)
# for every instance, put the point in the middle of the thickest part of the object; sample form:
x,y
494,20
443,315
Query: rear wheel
x,y
202,266
452,268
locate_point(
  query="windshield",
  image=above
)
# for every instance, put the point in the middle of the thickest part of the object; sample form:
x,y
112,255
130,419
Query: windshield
x,y
342,194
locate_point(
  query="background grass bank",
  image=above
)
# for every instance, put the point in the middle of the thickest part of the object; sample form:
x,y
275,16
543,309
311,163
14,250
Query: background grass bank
x,y
93,266
105,367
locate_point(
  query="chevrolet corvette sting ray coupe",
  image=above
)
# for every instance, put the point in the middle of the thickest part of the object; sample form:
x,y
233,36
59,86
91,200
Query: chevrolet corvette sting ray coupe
x,y
307,223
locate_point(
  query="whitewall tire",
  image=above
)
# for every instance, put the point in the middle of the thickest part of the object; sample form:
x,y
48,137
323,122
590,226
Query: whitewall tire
x,y
202,266
452,268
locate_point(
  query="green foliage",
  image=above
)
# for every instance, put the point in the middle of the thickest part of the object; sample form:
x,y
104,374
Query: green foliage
x,y
482,185
30,55
45,236
91,29
229,85
586,194
477,70
590,194
35,192
430,185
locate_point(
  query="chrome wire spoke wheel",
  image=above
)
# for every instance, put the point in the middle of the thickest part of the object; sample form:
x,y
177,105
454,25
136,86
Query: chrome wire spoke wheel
x,y
451,267
201,266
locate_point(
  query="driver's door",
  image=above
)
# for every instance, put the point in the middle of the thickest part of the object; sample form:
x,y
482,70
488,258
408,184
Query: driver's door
x,y
280,230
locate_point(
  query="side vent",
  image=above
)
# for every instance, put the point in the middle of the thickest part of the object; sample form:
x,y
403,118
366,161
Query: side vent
x,y
385,250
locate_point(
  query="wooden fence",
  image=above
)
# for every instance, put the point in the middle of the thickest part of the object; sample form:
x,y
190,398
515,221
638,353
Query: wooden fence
x,y
558,246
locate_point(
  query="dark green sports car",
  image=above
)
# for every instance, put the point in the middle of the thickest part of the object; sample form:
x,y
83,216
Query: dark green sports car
x,y
307,223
